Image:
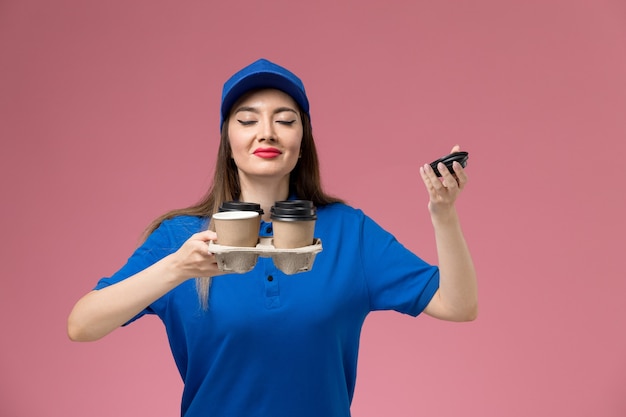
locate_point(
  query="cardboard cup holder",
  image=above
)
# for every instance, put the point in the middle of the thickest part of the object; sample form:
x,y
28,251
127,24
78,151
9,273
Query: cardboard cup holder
x,y
237,259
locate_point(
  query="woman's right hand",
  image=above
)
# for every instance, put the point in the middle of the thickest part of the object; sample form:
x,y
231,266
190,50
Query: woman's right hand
x,y
193,259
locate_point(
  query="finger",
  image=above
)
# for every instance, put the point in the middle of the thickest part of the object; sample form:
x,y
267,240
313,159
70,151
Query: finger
x,y
214,266
205,235
429,177
425,178
455,148
448,179
460,174
197,247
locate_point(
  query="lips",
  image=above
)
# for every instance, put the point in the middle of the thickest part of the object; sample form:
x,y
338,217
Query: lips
x,y
267,152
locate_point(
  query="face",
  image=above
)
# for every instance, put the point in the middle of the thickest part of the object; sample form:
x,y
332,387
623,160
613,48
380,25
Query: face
x,y
265,133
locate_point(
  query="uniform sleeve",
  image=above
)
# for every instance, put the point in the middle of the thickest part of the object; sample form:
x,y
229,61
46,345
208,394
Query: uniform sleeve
x,y
396,278
166,239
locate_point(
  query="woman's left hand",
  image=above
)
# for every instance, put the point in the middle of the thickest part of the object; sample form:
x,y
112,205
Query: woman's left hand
x,y
444,190
457,296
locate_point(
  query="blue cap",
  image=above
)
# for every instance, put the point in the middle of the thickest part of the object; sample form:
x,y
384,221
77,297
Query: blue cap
x,y
262,74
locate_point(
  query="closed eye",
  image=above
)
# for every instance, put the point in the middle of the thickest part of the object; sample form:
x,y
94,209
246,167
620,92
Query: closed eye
x,y
246,122
286,122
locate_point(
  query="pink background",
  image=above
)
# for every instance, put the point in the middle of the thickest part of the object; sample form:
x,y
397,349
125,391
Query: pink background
x,y
109,117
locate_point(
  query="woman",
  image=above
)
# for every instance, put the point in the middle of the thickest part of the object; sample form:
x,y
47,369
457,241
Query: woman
x,y
264,343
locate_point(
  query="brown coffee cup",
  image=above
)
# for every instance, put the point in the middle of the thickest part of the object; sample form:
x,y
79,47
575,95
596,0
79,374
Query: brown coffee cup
x,y
237,228
293,223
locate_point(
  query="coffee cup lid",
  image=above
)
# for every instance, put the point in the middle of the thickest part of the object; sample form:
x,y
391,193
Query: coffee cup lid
x,y
294,204
235,215
296,211
240,206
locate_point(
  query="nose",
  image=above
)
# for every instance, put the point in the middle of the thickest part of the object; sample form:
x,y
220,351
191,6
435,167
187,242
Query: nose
x,y
266,130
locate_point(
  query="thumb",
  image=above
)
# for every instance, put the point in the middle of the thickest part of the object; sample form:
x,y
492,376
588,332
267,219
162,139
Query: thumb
x,y
455,148
206,235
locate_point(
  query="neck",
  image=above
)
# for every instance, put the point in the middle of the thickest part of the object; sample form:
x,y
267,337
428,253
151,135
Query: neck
x,y
265,193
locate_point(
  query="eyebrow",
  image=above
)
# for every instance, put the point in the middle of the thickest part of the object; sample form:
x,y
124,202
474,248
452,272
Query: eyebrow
x,y
256,110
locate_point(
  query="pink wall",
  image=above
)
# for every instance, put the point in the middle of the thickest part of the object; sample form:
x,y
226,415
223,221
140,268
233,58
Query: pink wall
x,y
109,114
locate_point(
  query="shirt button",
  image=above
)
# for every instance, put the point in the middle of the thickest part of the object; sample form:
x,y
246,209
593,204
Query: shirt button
x,y
268,229
270,278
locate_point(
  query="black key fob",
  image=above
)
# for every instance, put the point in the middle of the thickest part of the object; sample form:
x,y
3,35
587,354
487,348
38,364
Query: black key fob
x,y
460,157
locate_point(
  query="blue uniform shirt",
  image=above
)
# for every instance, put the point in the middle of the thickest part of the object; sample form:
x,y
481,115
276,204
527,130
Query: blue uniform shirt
x,y
281,345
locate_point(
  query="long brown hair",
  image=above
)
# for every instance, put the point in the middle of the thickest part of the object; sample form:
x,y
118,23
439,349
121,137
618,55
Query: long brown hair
x,y
304,183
